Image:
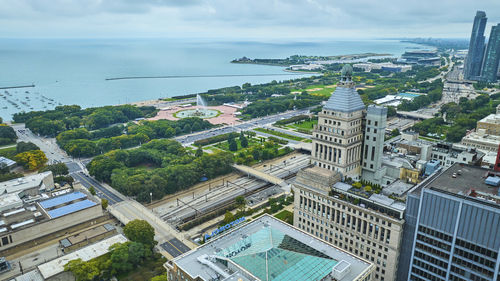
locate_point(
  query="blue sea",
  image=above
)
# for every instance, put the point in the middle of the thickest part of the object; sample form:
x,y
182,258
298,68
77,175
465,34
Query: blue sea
x,y
73,71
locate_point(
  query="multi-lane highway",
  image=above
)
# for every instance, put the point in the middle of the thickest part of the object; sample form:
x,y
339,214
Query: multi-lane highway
x,y
244,126
101,191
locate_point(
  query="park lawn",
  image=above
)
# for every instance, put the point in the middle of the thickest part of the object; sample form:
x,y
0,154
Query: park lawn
x,y
303,125
225,145
285,216
317,90
9,152
278,134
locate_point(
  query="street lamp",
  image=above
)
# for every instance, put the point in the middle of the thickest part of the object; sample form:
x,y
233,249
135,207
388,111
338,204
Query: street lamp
x,y
151,195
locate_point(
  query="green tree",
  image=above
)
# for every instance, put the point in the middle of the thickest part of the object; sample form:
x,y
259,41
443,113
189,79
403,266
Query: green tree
x,y
199,152
120,258
92,190
243,140
233,146
228,217
83,271
240,202
395,132
140,231
57,169
368,188
31,160
104,203
26,146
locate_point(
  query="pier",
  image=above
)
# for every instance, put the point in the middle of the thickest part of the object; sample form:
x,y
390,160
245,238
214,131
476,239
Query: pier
x,y
17,87
202,76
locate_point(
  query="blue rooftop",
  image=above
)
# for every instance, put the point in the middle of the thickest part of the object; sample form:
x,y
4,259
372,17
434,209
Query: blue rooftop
x,y
71,208
59,200
345,99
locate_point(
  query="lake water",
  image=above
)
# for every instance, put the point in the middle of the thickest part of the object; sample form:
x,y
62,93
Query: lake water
x,y
74,71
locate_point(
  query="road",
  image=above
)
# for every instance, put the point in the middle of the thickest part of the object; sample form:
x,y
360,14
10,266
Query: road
x,y
101,191
244,126
169,239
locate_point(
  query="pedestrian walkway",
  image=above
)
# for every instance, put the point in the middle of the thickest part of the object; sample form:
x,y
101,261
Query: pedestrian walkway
x,y
259,174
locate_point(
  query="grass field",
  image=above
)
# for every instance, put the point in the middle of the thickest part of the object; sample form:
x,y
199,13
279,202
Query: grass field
x,y
303,125
279,134
318,90
9,152
285,216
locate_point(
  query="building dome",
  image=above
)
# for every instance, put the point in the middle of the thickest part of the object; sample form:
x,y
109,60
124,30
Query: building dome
x,y
346,71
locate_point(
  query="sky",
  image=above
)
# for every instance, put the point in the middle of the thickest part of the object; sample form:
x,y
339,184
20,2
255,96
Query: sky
x,y
244,19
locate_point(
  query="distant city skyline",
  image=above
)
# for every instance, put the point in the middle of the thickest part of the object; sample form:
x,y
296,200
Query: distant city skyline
x,y
241,19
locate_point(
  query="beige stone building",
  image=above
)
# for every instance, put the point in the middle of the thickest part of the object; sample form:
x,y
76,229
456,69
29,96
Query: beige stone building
x,y
338,137
491,124
364,224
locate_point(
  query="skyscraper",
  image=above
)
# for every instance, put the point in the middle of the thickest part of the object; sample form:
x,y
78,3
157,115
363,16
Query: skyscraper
x,y
474,59
338,136
452,222
492,56
376,120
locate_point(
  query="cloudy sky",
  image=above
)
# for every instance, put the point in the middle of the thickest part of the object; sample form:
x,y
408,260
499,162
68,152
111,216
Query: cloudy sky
x,y
243,18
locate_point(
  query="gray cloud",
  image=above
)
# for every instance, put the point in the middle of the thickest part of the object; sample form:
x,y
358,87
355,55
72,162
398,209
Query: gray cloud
x,y
241,18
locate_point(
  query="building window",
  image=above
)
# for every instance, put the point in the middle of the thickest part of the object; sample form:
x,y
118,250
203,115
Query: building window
x,y
376,123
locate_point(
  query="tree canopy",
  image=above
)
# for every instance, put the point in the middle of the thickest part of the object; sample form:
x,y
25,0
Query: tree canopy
x,y
140,231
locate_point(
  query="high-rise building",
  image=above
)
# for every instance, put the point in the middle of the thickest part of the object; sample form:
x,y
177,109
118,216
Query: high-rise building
x,y
373,145
364,223
338,137
474,58
492,56
452,226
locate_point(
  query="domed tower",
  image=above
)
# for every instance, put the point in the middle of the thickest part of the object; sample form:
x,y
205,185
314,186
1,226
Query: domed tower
x,y
338,137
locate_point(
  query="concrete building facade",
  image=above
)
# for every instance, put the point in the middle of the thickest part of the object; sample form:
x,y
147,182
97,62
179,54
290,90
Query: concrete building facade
x,y
373,143
452,225
490,123
369,226
338,136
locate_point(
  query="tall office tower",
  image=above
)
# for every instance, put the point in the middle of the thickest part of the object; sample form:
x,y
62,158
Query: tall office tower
x,y
373,144
367,225
492,56
474,58
452,226
338,136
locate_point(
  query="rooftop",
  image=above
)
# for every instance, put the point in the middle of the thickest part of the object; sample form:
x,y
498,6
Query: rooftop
x,y
20,184
492,118
269,249
56,266
460,179
6,161
345,99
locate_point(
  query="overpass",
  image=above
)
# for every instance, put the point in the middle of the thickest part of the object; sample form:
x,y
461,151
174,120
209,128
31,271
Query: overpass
x,y
414,115
259,175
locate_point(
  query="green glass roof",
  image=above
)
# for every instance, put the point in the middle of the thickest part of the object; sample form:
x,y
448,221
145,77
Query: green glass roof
x,y
271,255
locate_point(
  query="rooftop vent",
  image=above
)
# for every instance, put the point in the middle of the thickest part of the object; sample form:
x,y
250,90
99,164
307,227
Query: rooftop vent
x,y
341,269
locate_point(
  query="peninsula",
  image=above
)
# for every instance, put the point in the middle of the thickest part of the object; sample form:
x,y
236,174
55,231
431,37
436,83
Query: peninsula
x,y
299,59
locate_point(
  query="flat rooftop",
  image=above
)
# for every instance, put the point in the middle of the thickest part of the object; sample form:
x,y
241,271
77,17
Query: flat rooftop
x,y
56,266
460,179
269,249
20,184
